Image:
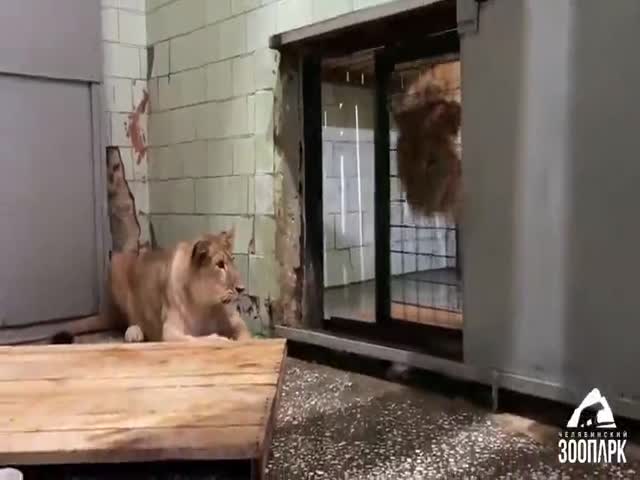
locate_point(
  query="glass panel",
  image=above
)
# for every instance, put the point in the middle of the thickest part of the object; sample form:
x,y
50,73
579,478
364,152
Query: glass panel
x,y
425,274
348,187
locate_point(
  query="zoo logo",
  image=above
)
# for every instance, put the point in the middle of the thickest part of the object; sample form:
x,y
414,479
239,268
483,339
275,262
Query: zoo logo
x,y
591,435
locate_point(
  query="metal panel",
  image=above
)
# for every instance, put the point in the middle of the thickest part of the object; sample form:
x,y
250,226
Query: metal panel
x,y
47,206
550,146
51,38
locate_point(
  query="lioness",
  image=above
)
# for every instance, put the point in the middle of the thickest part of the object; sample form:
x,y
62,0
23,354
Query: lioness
x,y
185,293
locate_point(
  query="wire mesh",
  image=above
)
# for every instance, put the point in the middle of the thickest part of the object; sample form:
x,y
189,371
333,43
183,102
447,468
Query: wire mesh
x,y
426,284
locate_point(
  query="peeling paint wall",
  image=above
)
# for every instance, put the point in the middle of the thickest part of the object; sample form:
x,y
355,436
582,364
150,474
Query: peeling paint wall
x,y
125,96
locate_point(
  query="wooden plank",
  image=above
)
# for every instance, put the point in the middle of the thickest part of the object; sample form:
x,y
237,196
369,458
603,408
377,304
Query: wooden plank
x,y
260,465
141,408
123,361
147,402
28,388
125,445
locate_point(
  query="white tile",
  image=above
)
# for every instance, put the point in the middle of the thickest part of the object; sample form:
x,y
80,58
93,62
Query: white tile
x,y
119,125
187,51
158,25
162,165
216,10
244,161
251,193
265,64
263,277
144,64
183,88
329,232
332,195
264,112
235,115
358,4
159,128
109,24
344,160
117,95
348,232
172,196
213,159
264,194
261,24
264,154
172,229
213,42
337,268
209,120
240,6
265,235
293,14
185,16
224,195
121,60
160,59
233,37
133,27
218,78
324,9
242,75
363,263
183,125
135,5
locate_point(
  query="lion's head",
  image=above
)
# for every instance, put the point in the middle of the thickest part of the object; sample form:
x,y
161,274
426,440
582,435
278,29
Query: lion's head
x,y
214,278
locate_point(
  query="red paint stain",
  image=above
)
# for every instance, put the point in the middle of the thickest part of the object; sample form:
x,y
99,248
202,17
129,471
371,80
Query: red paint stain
x,y
135,132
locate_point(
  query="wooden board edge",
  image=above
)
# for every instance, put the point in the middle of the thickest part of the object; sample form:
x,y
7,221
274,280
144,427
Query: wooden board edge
x,y
259,466
17,349
158,446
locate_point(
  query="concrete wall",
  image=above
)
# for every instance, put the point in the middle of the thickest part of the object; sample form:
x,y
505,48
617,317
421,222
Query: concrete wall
x,y
212,161
551,235
125,83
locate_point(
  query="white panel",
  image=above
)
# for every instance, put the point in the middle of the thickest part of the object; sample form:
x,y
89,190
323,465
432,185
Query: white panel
x,y
51,38
47,208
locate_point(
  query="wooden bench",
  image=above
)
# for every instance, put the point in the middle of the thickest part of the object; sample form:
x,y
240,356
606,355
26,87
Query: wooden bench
x,y
113,403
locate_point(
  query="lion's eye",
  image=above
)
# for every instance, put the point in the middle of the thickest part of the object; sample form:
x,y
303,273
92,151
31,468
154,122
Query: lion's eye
x,y
220,264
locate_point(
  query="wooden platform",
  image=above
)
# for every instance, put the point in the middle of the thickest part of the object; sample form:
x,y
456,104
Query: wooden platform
x,y
71,404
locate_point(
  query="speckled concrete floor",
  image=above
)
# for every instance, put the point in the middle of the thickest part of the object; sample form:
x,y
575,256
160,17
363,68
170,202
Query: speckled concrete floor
x,y
338,425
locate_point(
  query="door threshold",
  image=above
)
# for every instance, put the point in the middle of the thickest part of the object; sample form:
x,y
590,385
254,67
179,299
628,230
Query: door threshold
x,y
379,351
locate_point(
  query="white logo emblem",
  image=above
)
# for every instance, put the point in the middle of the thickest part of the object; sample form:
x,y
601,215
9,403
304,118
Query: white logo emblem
x,y
591,435
593,412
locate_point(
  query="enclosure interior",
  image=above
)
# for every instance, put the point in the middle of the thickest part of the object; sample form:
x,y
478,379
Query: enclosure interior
x,y
388,271
425,275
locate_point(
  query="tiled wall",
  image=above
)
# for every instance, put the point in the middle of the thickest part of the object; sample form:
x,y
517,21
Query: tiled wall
x,y
212,161
125,83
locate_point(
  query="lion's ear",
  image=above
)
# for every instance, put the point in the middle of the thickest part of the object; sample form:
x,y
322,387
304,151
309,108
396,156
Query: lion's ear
x,y
200,252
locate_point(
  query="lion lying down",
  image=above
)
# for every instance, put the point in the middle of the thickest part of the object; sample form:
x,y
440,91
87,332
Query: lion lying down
x,y
186,293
